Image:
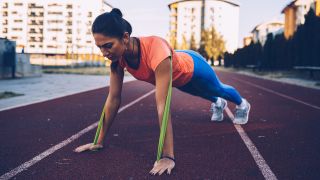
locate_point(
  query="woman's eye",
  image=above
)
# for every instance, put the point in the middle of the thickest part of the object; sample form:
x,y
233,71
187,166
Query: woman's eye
x,y
108,46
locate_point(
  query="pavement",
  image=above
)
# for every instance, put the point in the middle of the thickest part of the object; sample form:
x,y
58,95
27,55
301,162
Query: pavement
x,y
280,141
49,86
277,76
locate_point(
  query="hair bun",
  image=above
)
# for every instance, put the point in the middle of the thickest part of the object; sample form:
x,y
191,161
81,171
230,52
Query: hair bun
x,y
116,11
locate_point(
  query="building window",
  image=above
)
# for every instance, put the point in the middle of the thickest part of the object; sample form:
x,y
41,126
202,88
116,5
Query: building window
x,y
5,30
17,29
32,39
69,6
5,5
69,23
32,31
32,5
17,20
55,13
18,4
14,12
54,21
69,40
69,31
53,4
32,14
54,29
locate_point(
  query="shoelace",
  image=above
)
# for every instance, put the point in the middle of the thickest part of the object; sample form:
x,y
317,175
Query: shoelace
x,y
215,108
241,112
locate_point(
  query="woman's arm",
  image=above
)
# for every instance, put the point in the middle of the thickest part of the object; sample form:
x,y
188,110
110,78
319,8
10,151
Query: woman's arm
x,y
162,74
111,108
113,101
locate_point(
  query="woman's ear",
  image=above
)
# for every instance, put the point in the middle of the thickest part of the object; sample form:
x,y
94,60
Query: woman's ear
x,y
126,38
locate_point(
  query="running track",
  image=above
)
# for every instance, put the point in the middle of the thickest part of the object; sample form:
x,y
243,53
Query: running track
x,y
281,140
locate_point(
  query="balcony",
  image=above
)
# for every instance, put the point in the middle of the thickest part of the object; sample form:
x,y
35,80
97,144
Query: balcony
x,y
18,4
69,31
33,32
69,14
32,14
34,6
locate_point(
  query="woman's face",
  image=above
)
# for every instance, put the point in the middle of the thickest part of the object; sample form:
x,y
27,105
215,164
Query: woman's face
x,y
111,47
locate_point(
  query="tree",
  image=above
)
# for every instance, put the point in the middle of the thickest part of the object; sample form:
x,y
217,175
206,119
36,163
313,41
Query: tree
x,y
193,44
212,43
184,44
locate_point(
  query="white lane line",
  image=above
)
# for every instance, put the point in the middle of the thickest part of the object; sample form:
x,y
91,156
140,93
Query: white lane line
x,y
279,94
51,150
262,164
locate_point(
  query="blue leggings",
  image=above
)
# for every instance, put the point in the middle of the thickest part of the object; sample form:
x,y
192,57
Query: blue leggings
x,y
205,83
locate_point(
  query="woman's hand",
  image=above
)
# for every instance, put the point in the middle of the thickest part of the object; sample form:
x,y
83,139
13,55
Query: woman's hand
x,y
89,146
162,165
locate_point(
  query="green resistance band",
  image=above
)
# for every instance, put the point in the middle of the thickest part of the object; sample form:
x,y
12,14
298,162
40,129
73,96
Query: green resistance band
x,y
99,126
164,123
165,116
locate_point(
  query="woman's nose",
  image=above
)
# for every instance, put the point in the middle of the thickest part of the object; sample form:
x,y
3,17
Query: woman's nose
x,y
104,52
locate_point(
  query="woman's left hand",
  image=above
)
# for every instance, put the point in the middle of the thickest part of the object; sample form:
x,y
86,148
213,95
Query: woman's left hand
x,y
162,165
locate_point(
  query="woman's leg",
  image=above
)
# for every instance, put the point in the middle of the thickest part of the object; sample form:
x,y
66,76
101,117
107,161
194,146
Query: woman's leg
x,y
206,84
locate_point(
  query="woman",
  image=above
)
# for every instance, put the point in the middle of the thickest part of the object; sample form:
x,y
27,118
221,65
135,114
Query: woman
x,y
148,59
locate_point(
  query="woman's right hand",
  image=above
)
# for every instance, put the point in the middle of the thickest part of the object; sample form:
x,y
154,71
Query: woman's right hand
x,y
89,146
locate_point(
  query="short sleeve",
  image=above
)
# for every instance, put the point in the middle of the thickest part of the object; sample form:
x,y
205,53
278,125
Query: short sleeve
x,y
159,51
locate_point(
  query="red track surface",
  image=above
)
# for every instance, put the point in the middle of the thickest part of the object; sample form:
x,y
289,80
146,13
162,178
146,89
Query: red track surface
x,y
285,132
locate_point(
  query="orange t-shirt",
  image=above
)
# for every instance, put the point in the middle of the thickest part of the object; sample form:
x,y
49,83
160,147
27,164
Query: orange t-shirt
x,y
153,51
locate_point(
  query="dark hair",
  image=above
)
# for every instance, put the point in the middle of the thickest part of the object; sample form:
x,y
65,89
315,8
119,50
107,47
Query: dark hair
x,y
111,24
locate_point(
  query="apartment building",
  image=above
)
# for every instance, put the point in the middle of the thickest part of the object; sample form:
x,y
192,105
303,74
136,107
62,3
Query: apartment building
x,y
261,31
295,12
51,26
189,17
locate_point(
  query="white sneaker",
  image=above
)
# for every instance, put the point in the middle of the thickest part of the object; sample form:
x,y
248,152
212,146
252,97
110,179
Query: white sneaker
x,y
217,111
242,113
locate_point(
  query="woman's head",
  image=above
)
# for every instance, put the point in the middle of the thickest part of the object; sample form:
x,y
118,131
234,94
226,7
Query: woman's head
x,y
111,33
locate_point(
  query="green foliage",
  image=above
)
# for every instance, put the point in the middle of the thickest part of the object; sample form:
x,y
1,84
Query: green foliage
x,y
212,44
184,44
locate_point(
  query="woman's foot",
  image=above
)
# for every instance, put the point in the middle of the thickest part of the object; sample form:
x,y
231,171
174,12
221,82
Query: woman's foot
x,y
217,109
241,115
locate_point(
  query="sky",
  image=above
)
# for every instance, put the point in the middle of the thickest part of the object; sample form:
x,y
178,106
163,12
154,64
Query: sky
x,y
151,17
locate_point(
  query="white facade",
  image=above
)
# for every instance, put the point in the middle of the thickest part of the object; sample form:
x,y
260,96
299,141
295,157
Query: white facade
x,y
261,31
52,26
223,15
303,7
